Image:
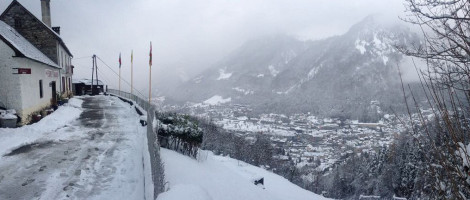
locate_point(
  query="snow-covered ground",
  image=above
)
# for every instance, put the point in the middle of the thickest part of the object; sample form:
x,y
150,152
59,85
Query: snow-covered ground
x,y
49,126
92,148
223,178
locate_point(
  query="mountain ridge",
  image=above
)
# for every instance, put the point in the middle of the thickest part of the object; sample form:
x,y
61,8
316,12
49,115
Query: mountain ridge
x,y
341,76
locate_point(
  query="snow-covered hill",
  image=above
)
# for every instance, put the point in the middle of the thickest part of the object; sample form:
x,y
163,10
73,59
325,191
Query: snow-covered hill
x,y
222,178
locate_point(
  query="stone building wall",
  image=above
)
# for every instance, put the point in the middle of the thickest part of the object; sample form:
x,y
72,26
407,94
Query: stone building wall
x,y
32,29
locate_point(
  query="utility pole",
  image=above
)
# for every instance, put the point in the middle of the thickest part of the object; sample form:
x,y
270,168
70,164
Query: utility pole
x,y
92,72
97,83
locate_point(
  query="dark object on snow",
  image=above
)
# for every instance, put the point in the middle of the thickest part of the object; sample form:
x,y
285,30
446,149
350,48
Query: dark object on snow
x,y
36,118
138,111
259,181
8,122
143,122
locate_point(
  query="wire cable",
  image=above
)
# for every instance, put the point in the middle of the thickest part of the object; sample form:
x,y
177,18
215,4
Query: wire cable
x,y
121,77
82,57
104,76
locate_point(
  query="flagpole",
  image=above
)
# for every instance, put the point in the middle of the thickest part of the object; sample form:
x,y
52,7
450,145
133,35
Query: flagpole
x,y
150,74
119,74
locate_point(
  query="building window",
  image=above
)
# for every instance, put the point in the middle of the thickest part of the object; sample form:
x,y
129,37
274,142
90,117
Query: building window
x,y
63,84
40,89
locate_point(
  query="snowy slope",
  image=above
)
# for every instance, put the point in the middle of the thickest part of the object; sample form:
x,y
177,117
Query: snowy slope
x,y
223,178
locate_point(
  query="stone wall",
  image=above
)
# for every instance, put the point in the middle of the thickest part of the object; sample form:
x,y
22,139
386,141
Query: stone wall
x,y
32,29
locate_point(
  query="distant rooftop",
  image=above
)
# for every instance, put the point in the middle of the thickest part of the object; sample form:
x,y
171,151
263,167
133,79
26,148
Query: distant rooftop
x,y
87,81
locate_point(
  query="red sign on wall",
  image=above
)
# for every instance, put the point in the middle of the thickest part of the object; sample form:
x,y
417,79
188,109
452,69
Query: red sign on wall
x,y
24,70
21,70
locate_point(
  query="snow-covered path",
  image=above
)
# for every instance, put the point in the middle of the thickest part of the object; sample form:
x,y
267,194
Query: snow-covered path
x,y
98,155
223,178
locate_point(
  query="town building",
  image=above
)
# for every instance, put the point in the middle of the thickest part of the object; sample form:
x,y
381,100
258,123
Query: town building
x,y
35,63
83,86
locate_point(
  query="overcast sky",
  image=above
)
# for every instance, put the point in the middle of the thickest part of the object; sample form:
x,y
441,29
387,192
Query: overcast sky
x,y
189,35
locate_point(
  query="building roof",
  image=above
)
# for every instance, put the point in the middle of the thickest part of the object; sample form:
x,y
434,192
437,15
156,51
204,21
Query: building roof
x,y
86,81
22,46
57,36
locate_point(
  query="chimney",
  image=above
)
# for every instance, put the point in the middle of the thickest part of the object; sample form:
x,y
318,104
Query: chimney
x,y
46,12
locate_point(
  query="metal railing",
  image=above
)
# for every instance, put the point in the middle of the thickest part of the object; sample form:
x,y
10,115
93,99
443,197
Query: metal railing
x,y
153,145
141,101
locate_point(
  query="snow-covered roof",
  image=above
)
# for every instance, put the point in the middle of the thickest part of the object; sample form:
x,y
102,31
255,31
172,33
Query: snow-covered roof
x,y
87,81
23,46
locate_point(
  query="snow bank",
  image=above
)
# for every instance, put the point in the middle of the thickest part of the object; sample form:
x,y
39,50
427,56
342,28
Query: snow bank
x,y
223,75
217,100
9,114
273,71
11,139
224,178
182,192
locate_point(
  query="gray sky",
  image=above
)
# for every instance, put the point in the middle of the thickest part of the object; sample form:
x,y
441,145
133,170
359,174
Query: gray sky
x,y
190,35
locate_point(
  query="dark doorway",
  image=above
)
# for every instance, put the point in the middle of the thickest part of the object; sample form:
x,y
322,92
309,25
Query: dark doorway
x,y
54,93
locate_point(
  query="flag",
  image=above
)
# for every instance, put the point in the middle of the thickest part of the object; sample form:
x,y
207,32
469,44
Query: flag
x,y
119,60
150,62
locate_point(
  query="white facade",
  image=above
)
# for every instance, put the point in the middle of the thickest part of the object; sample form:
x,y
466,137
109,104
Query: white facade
x,y
65,62
22,91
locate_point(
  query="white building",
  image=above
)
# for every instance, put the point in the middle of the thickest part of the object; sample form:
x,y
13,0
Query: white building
x,y
28,78
35,64
44,37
